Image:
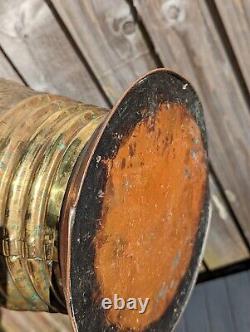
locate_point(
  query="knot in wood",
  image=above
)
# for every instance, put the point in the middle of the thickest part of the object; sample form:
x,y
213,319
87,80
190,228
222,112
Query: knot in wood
x,y
174,11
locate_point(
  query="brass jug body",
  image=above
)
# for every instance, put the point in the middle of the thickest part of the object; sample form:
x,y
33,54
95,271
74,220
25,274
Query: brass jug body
x,y
97,203
41,137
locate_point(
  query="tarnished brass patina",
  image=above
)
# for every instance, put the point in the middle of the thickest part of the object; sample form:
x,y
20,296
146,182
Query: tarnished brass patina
x,y
41,137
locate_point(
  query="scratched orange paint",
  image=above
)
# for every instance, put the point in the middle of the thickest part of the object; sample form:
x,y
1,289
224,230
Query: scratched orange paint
x,y
151,212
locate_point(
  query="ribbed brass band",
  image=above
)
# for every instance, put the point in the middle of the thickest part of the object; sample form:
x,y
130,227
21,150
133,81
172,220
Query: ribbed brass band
x,y
41,137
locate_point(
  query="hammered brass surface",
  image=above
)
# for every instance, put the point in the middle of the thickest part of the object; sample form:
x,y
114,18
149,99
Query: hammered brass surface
x,y
41,137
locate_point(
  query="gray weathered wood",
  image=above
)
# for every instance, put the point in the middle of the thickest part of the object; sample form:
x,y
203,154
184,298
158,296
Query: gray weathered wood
x,y
110,40
34,41
15,321
235,15
224,244
220,305
238,288
196,316
186,39
6,70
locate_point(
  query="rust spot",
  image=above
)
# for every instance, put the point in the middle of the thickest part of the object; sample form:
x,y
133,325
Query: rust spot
x,y
88,116
123,164
132,148
151,215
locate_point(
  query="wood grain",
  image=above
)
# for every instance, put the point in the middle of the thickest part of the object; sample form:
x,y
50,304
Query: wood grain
x,y
17,321
238,293
224,244
185,37
220,305
32,38
235,15
220,317
6,70
110,40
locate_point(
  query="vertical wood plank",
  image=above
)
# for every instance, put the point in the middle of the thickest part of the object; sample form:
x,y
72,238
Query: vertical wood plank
x,y
235,15
221,305
224,244
110,40
34,41
196,314
238,287
186,39
218,306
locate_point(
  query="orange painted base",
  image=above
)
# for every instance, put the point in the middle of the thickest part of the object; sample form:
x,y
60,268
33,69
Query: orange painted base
x,y
151,211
